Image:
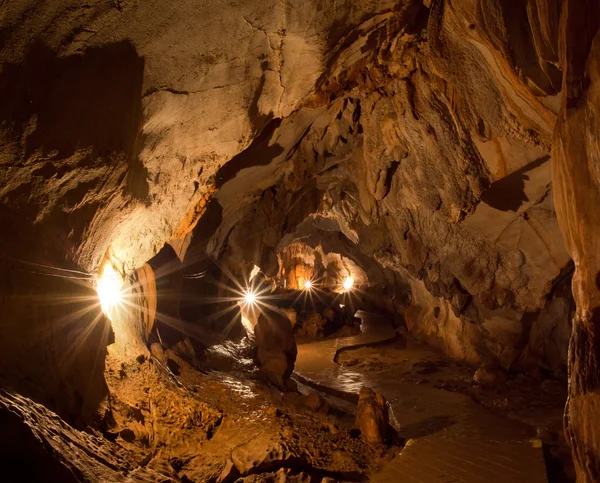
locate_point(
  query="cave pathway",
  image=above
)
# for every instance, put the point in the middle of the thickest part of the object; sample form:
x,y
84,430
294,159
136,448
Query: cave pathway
x,y
450,438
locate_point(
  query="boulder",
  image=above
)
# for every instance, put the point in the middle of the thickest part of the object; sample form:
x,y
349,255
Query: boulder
x,y
275,348
489,375
190,351
372,417
315,402
158,352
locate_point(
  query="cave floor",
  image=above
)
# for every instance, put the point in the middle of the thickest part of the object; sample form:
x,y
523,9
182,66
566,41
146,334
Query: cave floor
x,y
455,430
169,421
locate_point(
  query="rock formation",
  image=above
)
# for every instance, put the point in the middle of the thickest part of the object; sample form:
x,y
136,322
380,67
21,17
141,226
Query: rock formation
x,y
372,417
575,170
275,348
444,153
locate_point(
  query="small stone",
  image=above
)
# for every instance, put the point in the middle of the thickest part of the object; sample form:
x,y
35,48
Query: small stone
x,y
487,376
315,402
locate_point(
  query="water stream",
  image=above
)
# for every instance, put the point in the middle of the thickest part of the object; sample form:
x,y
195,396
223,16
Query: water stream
x,y
450,437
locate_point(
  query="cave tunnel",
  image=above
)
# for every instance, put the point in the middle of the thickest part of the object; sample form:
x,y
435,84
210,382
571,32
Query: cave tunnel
x,y
300,241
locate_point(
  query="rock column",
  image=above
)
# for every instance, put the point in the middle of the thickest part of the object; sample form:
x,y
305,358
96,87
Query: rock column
x,y
576,176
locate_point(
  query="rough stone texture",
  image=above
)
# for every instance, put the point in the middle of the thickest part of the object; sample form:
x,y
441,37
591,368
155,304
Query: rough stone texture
x,y
154,122
313,326
422,133
38,446
417,139
454,190
576,175
315,402
299,262
275,348
53,340
372,417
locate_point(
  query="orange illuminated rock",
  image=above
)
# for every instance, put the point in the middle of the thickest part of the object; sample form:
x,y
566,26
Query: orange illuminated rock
x,y
372,418
275,348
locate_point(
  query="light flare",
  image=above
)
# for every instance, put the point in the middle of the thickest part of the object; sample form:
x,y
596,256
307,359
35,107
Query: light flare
x,y
250,297
109,288
348,283
307,285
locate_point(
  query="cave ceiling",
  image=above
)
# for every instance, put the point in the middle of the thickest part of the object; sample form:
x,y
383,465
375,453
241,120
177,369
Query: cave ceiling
x,y
430,124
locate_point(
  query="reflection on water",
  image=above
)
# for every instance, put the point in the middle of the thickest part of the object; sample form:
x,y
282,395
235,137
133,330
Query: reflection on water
x,y
229,355
393,421
315,360
242,390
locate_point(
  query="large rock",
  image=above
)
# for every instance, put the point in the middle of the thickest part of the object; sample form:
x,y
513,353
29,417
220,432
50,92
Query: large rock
x,y
275,348
577,183
372,417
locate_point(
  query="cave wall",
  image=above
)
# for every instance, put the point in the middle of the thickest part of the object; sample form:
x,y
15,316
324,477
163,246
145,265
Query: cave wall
x,y
575,170
53,340
431,152
120,114
299,262
424,129
116,119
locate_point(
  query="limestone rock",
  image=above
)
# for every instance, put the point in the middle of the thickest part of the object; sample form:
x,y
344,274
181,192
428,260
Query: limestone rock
x,y
489,376
158,352
372,418
189,351
444,150
275,348
32,433
313,326
315,402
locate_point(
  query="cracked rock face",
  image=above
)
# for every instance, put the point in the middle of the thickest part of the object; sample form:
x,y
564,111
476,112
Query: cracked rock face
x,y
447,150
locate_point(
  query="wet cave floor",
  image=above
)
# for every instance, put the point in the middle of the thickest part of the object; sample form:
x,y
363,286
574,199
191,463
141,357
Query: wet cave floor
x,y
451,429
175,420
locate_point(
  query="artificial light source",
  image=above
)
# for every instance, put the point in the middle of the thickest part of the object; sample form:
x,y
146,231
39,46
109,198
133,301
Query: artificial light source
x,y
109,286
348,283
249,297
307,285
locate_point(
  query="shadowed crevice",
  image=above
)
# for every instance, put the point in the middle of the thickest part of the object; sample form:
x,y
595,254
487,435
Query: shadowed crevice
x,y
259,153
508,193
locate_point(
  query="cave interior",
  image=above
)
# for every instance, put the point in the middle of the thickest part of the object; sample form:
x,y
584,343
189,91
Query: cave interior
x,y
300,241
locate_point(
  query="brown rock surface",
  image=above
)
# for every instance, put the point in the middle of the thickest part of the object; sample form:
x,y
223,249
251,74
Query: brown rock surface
x,y
575,170
444,153
275,348
372,418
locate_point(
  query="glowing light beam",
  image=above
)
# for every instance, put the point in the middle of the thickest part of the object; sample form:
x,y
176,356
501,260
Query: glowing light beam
x,y
250,297
109,286
348,283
